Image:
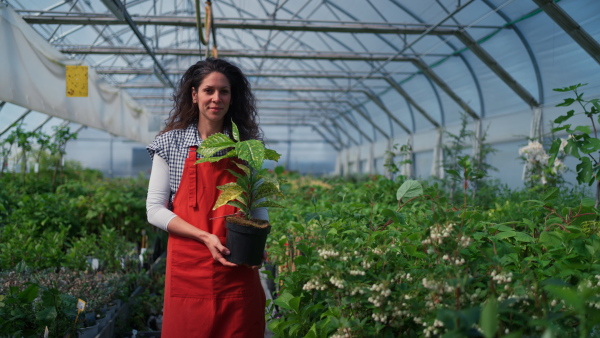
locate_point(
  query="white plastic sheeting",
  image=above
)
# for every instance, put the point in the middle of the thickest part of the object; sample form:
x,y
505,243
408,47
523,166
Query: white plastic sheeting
x,y
32,75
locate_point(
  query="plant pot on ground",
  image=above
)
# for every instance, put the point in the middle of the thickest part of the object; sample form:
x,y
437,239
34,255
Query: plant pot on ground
x,y
246,237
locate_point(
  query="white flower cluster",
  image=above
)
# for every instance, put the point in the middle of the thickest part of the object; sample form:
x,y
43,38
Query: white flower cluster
x,y
534,152
379,317
326,253
517,298
501,278
382,288
558,167
342,332
402,276
430,303
563,144
598,278
475,295
365,264
379,251
314,284
441,287
384,292
339,283
457,261
356,290
464,241
436,236
433,329
357,272
398,311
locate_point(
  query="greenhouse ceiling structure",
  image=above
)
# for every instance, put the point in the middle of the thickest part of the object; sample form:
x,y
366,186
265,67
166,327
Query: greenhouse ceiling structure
x,y
338,82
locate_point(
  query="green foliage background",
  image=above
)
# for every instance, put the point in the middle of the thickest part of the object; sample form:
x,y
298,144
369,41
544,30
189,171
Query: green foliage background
x,y
356,262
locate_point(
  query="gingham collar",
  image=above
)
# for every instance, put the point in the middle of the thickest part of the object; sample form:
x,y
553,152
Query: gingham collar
x,y
191,136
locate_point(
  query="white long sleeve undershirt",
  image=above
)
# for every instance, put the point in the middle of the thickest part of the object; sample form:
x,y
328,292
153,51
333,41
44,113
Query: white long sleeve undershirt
x,y
159,192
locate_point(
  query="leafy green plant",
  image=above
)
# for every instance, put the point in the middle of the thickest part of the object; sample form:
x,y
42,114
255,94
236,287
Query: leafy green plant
x,y
434,269
6,150
404,151
253,186
583,142
466,173
455,148
28,311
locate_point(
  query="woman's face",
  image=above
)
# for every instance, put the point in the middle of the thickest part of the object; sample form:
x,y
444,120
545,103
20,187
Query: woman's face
x,y
213,97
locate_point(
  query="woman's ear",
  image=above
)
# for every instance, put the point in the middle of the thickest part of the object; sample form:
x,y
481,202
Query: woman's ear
x,y
194,95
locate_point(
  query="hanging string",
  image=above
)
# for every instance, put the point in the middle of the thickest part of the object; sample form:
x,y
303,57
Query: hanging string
x,y
199,26
209,25
215,53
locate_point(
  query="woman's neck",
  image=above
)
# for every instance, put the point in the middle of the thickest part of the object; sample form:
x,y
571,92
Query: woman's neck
x,y
207,128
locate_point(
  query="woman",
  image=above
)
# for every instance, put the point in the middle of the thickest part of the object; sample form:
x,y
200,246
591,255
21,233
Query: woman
x,y
205,295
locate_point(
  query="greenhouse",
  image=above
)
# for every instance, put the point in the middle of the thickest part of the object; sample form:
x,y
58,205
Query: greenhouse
x,y
428,168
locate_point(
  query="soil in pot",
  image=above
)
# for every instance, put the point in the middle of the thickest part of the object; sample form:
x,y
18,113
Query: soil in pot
x,y
246,240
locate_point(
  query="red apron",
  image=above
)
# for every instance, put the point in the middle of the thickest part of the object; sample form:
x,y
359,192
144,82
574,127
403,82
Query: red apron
x,y
204,298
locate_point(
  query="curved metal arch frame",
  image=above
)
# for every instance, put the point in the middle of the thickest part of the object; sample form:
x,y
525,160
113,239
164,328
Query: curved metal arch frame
x,y
375,101
442,113
532,57
475,78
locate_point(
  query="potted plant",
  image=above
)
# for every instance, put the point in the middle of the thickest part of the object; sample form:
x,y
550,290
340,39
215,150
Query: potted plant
x,y
246,237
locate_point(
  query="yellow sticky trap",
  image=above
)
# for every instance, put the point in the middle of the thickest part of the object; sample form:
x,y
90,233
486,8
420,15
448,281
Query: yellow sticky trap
x,y
77,81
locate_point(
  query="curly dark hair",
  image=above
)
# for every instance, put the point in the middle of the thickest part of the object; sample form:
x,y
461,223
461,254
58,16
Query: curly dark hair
x,y
242,109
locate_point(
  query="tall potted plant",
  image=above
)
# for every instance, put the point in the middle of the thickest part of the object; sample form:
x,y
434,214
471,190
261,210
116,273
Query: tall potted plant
x,y
246,236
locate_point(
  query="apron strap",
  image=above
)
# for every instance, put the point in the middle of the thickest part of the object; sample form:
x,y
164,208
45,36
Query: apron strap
x,y
193,170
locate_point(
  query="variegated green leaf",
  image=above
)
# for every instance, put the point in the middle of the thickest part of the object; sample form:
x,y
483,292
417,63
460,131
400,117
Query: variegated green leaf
x,y
268,204
235,132
243,199
272,180
242,180
230,185
236,186
226,196
239,205
208,159
212,159
243,167
251,151
272,155
214,143
262,172
267,189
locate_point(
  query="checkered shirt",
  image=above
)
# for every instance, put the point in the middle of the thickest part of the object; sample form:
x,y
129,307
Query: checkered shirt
x,y
173,147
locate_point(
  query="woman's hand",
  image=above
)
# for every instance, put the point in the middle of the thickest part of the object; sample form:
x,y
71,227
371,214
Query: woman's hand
x,y
182,228
217,250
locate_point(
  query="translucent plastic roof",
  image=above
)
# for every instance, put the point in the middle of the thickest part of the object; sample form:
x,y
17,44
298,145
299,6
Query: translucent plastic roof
x,y
333,74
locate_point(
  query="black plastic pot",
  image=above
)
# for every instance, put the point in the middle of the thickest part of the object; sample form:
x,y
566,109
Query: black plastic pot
x,y
246,243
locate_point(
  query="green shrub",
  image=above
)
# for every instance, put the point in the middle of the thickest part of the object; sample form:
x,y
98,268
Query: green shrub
x,y
354,264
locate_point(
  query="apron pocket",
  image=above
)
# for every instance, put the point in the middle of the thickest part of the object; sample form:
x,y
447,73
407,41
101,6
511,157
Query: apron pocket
x,y
195,274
